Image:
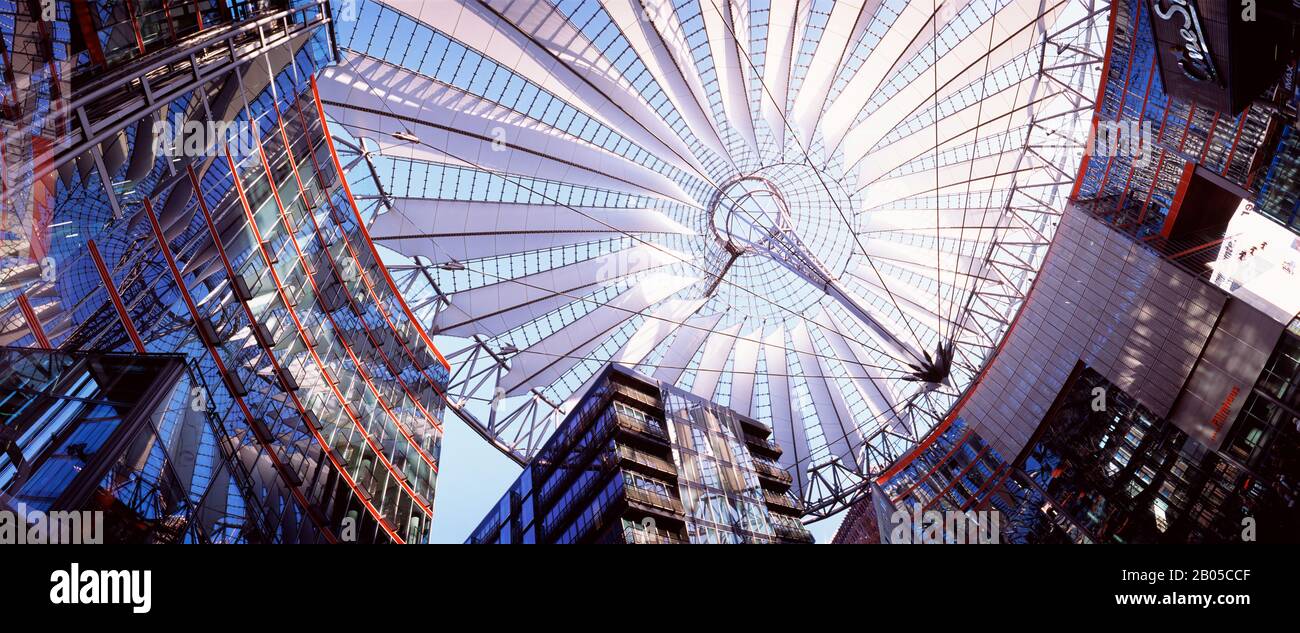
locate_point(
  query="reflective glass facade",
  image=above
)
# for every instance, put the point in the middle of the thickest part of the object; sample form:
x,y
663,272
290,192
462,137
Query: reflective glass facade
x,y
1127,476
639,461
1251,151
957,473
137,228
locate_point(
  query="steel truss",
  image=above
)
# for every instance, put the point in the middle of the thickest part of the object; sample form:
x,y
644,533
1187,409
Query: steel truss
x,y
1061,105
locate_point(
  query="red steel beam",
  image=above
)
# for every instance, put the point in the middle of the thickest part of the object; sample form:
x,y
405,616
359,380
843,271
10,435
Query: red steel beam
x,y
117,298
939,463
33,323
1184,183
1236,138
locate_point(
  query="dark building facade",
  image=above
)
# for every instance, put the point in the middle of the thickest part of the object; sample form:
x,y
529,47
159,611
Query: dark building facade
x,y
171,187
1128,476
640,461
1102,468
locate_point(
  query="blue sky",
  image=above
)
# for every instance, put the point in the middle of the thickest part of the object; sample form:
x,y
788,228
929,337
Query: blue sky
x,y
472,476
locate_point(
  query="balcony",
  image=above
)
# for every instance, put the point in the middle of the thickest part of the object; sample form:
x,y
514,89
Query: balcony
x,y
654,500
771,472
640,460
784,503
641,428
791,531
765,447
635,395
636,535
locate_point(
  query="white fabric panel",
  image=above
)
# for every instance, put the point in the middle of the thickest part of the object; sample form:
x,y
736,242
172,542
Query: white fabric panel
x,y
849,19
781,40
859,90
894,252
833,414
996,111
475,25
729,69
642,26
746,363
548,359
471,129
922,183
919,305
500,307
1009,36
787,424
488,229
868,380
684,346
716,351
554,48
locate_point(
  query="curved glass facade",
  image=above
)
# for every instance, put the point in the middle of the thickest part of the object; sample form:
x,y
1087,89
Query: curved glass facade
x,y
182,196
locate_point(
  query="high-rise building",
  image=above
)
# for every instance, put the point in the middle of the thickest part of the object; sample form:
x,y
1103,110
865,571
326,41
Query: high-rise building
x,y
171,187
640,461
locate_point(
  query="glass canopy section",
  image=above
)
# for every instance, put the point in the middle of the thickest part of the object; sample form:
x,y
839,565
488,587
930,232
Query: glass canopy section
x,y
823,214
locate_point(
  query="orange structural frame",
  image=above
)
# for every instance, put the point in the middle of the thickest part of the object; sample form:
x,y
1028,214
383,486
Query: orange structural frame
x,y
365,279
930,440
365,377
297,403
33,323
370,290
374,446
1184,182
365,233
107,278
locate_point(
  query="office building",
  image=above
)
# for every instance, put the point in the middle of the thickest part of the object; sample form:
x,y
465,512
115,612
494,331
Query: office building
x,y
115,433
640,461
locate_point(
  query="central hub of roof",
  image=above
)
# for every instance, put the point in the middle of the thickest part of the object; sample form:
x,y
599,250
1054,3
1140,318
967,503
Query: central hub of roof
x,y
746,212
